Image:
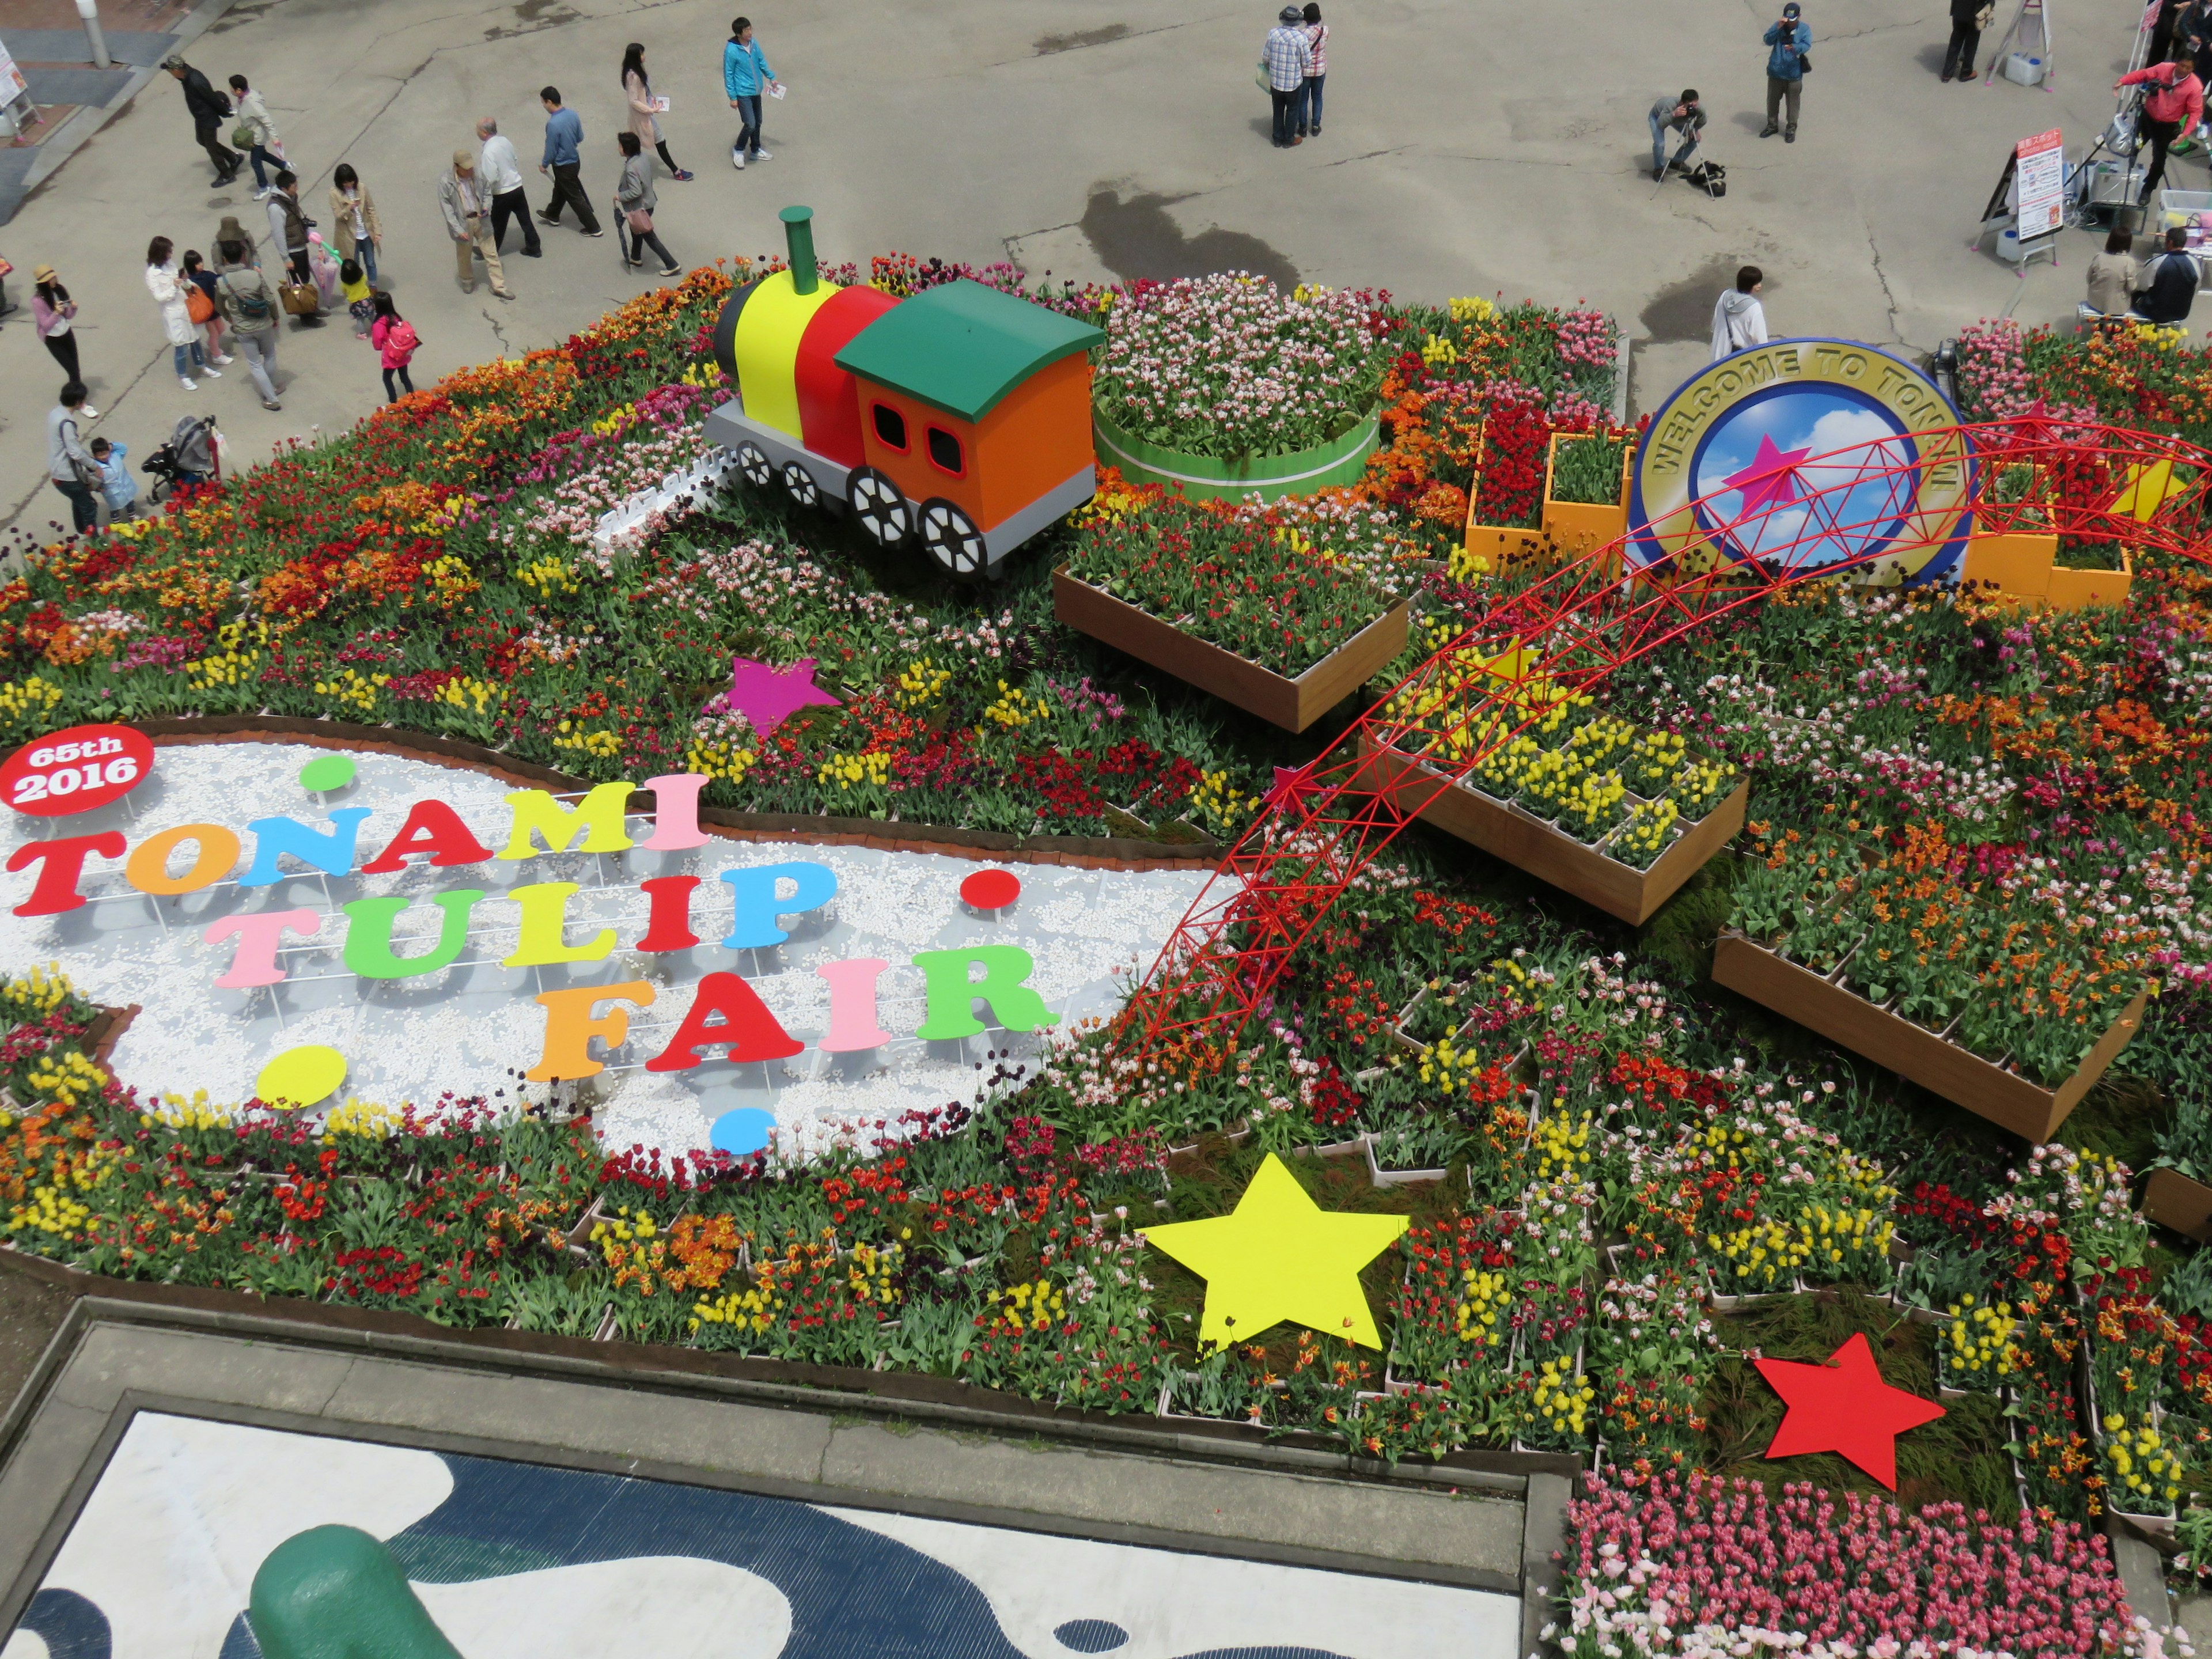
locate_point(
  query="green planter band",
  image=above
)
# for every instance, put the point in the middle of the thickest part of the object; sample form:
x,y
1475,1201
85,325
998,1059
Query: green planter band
x,y
1300,472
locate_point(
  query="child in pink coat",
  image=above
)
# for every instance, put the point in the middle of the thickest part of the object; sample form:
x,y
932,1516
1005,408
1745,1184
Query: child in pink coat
x,y
395,341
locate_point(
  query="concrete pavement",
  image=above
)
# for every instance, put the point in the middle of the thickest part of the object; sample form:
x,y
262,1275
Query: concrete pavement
x,y
1471,147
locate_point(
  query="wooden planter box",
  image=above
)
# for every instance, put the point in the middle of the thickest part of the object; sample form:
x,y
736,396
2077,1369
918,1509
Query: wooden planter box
x,y
1845,1018
1578,527
2173,1199
1292,704
2022,566
1526,841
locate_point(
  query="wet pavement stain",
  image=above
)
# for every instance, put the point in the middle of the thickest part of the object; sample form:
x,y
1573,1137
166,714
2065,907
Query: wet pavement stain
x,y
1098,37
533,16
1684,310
1137,239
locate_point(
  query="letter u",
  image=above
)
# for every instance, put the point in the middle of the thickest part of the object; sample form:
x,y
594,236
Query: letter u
x,y
369,935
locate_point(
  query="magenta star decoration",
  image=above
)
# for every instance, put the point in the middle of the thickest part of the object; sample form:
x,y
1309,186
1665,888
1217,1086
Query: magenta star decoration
x,y
768,696
1770,480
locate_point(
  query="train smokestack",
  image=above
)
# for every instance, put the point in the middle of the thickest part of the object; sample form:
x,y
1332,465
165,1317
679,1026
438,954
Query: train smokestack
x,y
798,237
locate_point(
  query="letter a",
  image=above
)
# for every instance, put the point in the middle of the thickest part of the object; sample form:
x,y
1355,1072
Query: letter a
x,y
745,1023
432,827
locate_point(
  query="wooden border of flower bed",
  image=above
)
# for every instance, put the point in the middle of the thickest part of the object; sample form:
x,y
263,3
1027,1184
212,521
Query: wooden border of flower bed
x,y
666,1365
1845,1018
1292,704
2173,1200
884,835
1527,841
2017,565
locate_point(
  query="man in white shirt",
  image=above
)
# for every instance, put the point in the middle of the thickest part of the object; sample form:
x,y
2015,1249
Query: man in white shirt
x,y
499,175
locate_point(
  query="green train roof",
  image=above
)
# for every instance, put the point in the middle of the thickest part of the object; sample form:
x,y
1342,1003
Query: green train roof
x,y
963,347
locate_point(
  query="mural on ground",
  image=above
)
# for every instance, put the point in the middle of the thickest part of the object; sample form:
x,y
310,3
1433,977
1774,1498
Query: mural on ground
x,y
219,1540
312,926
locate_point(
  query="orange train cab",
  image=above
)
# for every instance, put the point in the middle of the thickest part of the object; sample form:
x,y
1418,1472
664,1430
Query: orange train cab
x,y
961,415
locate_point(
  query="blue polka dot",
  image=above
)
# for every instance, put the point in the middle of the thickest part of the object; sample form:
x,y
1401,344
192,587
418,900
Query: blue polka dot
x,y
1091,1635
744,1132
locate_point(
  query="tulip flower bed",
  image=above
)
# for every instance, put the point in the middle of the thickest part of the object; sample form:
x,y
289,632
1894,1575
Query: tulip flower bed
x,y
1617,1186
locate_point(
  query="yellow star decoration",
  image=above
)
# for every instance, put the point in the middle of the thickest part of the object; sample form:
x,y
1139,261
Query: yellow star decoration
x,y
2147,489
1280,1256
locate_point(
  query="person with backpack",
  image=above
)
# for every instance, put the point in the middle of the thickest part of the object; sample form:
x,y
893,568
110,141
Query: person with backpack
x,y
210,109
248,303
259,133
69,465
1788,55
395,341
745,75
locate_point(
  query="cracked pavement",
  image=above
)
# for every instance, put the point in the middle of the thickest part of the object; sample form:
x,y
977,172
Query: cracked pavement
x,y
1471,147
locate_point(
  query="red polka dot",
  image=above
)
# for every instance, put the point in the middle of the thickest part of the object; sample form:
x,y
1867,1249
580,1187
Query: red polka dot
x,y
991,889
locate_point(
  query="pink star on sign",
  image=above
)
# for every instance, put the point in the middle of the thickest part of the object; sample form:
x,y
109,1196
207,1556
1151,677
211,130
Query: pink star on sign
x,y
768,696
1770,480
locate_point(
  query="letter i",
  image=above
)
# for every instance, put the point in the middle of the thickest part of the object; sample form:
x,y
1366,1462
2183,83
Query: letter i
x,y
668,924
853,1024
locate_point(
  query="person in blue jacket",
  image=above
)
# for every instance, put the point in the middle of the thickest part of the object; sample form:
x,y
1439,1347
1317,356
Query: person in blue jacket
x,y
745,76
1789,43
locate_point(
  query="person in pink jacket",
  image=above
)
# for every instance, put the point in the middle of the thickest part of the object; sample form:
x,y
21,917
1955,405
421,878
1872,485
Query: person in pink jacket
x,y
395,342
2174,105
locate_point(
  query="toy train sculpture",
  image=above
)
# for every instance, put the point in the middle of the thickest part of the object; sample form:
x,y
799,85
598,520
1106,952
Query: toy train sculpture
x,y
961,415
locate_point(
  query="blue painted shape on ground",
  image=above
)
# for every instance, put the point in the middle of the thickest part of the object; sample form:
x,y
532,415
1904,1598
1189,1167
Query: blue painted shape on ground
x,y
95,87
141,48
744,1132
1090,1636
69,1625
238,1642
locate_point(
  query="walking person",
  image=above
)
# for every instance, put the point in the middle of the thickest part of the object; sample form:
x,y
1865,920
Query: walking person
x,y
69,465
119,490
357,232
1683,115
469,223
1968,19
645,109
53,313
1789,44
1286,57
500,170
287,228
1739,320
229,230
267,148
395,341
209,110
634,201
745,76
564,161
249,305
2174,105
1308,112
360,298
167,284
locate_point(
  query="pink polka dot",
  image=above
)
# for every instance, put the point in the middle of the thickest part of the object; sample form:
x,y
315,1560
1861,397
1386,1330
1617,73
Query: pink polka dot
x,y
991,889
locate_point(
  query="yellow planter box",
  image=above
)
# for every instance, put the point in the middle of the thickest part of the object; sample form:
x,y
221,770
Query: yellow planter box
x,y
1579,527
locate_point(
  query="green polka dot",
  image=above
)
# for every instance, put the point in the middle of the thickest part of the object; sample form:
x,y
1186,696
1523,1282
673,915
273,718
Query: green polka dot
x,y
327,771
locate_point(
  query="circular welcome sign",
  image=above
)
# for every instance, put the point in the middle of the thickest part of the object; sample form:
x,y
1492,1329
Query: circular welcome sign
x,y
76,770
1802,455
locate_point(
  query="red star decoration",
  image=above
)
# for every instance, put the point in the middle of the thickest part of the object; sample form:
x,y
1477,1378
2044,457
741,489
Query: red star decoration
x,y
1770,480
1843,1406
1293,789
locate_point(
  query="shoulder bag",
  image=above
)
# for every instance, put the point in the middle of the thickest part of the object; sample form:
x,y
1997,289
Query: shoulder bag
x,y
298,299
198,306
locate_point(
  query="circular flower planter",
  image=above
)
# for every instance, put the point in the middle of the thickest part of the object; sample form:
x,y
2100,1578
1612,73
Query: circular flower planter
x,y
1300,472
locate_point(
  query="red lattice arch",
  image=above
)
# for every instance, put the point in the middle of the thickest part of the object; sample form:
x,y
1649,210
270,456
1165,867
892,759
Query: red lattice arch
x,y
1567,633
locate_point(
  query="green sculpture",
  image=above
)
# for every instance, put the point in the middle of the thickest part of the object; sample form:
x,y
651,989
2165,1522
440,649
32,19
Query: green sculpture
x,y
336,1593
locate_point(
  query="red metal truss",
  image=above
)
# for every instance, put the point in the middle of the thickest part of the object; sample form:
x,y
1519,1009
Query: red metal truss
x,y
1568,632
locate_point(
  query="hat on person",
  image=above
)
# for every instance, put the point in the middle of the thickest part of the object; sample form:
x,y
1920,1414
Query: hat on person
x,y
1290,15
1790,10
172,62
43,274
464,162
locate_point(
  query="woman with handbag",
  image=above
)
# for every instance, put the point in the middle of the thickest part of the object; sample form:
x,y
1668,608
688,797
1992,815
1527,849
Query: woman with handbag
x,y
53,314
645,108
634,201
356,231
1968,19
167,284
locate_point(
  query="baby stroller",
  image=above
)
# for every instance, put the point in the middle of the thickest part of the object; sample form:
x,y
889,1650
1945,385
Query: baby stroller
x,y
189,458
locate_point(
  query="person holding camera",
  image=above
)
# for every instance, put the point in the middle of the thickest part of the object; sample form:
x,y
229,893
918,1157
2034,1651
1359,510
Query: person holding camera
x,y
2174,103
1788,55
1684,116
